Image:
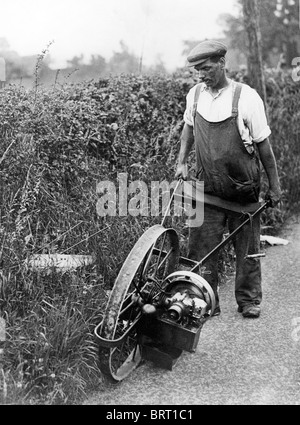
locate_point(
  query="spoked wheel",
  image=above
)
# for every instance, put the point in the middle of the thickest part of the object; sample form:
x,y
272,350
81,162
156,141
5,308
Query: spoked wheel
x,y
152,259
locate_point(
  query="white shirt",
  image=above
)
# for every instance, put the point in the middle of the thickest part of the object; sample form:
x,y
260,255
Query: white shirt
x,y
252,121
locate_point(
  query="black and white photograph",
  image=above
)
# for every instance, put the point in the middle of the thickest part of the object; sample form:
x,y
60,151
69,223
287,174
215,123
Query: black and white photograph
x,y
150,206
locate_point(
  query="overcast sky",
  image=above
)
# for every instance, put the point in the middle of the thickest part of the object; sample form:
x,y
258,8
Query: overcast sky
x,y
96,26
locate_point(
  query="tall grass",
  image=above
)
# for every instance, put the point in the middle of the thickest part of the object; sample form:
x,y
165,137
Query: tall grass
x,y
56,145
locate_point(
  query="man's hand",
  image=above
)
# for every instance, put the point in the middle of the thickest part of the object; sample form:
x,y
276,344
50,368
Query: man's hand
x,y
273,197
186,143
182,172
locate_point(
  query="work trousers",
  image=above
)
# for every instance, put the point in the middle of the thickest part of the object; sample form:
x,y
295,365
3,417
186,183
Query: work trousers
x,y
202,240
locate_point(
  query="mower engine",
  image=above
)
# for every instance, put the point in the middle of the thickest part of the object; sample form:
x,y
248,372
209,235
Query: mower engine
x,y
184,309
172,322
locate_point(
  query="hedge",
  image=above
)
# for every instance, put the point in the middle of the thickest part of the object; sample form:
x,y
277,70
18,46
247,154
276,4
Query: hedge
x,y
56,144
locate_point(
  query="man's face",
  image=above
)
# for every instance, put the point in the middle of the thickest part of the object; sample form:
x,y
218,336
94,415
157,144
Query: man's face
x,y
211,72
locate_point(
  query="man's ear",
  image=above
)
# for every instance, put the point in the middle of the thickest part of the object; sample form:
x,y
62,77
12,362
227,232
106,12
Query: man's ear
x,y
223,62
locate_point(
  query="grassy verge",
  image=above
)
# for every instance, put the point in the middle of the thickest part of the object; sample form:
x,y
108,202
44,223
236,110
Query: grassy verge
x,y
56,145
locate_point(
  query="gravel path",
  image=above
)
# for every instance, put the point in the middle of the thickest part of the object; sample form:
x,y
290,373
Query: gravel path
x,y
238,361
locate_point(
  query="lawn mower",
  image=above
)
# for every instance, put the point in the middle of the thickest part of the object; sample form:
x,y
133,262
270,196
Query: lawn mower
x,y
159,301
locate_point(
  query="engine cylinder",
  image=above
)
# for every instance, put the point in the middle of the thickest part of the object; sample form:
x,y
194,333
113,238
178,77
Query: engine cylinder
x,y
176,311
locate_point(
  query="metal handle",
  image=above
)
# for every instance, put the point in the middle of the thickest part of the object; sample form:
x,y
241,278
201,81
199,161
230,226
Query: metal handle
x,y
170,203
255,256
230,237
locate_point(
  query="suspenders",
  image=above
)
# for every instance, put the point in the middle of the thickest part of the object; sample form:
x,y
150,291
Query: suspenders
x,y
196,99
236,97
235,102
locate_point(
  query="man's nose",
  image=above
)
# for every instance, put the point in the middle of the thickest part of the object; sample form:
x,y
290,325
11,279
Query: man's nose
x,y
202,73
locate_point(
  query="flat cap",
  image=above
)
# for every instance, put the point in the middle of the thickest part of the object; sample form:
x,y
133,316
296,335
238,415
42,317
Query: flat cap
x,y
204,51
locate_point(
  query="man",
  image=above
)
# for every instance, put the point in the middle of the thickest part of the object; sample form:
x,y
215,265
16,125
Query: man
x,y
227,123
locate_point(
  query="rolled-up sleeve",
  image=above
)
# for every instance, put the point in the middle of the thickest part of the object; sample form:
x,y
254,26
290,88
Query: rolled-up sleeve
x,y
188,114
256,120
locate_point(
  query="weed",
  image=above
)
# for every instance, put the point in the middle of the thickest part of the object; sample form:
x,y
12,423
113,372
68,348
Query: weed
x,y
56,145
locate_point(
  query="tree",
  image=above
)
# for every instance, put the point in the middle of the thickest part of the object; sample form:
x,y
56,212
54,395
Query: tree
x,y
255,67
123,62
234,28
287,15
75,62
98,62
279,23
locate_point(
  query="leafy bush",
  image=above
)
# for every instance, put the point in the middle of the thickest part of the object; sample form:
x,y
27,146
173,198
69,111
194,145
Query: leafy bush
x,y
56,145
284,112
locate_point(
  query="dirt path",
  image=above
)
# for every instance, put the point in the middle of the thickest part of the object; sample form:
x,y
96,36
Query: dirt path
x,y
238,361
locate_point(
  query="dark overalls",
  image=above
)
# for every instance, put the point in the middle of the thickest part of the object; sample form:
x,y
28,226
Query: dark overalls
x,y
230,172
